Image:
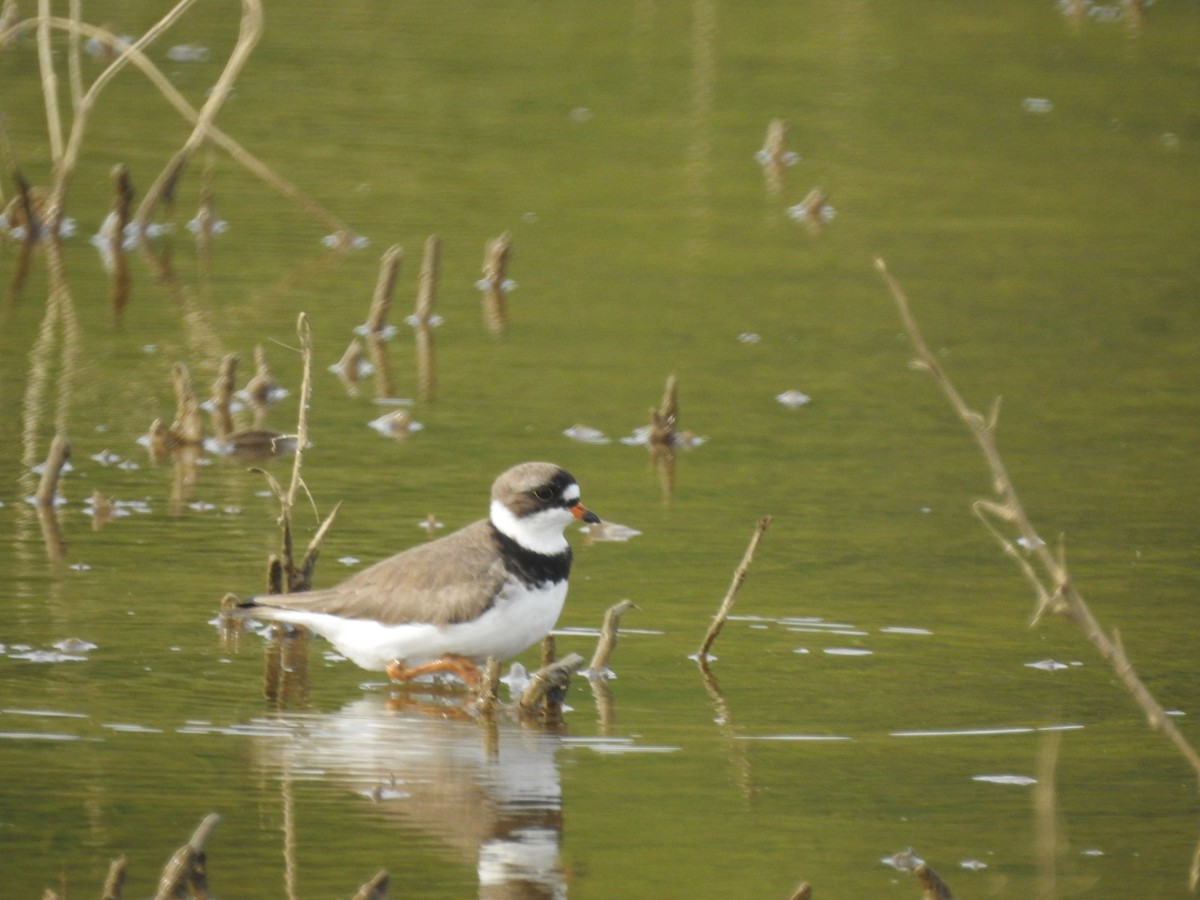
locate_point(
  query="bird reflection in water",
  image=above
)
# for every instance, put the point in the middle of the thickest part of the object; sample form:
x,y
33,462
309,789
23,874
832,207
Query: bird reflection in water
x,y
496,802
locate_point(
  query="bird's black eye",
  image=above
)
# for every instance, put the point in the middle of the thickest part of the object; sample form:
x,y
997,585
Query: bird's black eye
x,y
543,493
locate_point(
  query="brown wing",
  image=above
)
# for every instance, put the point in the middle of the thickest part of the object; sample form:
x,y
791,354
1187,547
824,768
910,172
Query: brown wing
x,y
444,581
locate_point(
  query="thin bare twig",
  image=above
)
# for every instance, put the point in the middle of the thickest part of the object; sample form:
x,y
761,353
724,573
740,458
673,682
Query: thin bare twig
x,y
1048,572
608,637
739,575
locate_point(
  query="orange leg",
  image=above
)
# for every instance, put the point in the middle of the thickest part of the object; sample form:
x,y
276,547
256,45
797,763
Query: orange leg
x,y
456,665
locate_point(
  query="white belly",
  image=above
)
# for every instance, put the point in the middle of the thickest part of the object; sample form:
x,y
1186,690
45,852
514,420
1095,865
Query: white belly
x,y
518,618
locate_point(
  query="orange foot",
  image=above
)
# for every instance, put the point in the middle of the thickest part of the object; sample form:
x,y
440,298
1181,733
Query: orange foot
x,y
456,665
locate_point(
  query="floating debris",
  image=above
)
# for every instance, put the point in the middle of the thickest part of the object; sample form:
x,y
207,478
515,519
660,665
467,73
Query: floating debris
x,y
793,399
749,337
1047,665
348,560
108,47
344,241
187,53
430,523
640,437
608,531
74,645
1018,780
580,114
904,629
1028,543
413,320
1037,105
398,424
848,651
585,434
106,458
973,865
516,680
210,226
385,332
904,861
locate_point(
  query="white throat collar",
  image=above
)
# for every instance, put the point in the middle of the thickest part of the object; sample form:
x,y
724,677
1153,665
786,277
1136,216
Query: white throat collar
x,y
541,532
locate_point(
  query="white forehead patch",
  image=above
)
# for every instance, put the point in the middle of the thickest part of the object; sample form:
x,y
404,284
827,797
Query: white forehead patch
x,y
571,492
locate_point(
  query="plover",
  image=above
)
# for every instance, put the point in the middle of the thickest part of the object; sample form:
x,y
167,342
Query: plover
x,y
492,588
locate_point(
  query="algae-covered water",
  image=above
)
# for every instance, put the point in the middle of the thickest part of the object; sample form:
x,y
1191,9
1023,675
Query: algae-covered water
x,y
1031,178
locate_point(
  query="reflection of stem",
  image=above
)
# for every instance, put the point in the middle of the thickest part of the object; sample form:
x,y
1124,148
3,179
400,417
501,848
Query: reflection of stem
x,y
1045,809
422,328
288,802
739,757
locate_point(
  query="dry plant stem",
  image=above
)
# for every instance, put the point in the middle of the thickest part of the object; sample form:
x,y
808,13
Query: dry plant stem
x,y
608,636
1055,590
381,301
60,452
375,889
222,396
935,888
188,427
122,202
495,269
115,882
49,83
385,286
74,62
185,874
304,332
739,575
548,683
133,54
248,35
65,161
488,689
803,891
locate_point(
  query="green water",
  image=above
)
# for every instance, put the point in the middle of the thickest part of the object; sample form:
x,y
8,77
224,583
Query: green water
x,y
1051,258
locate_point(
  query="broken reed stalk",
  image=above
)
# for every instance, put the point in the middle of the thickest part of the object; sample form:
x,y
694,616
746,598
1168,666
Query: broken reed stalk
x,y
803,891
122,203
1050,579
422,316
608,637
114,883
932,884
496,254
739,575
381,301
375,889
665,417
488,690
188,427
60,452
547,686
261,388
186,872
222,396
